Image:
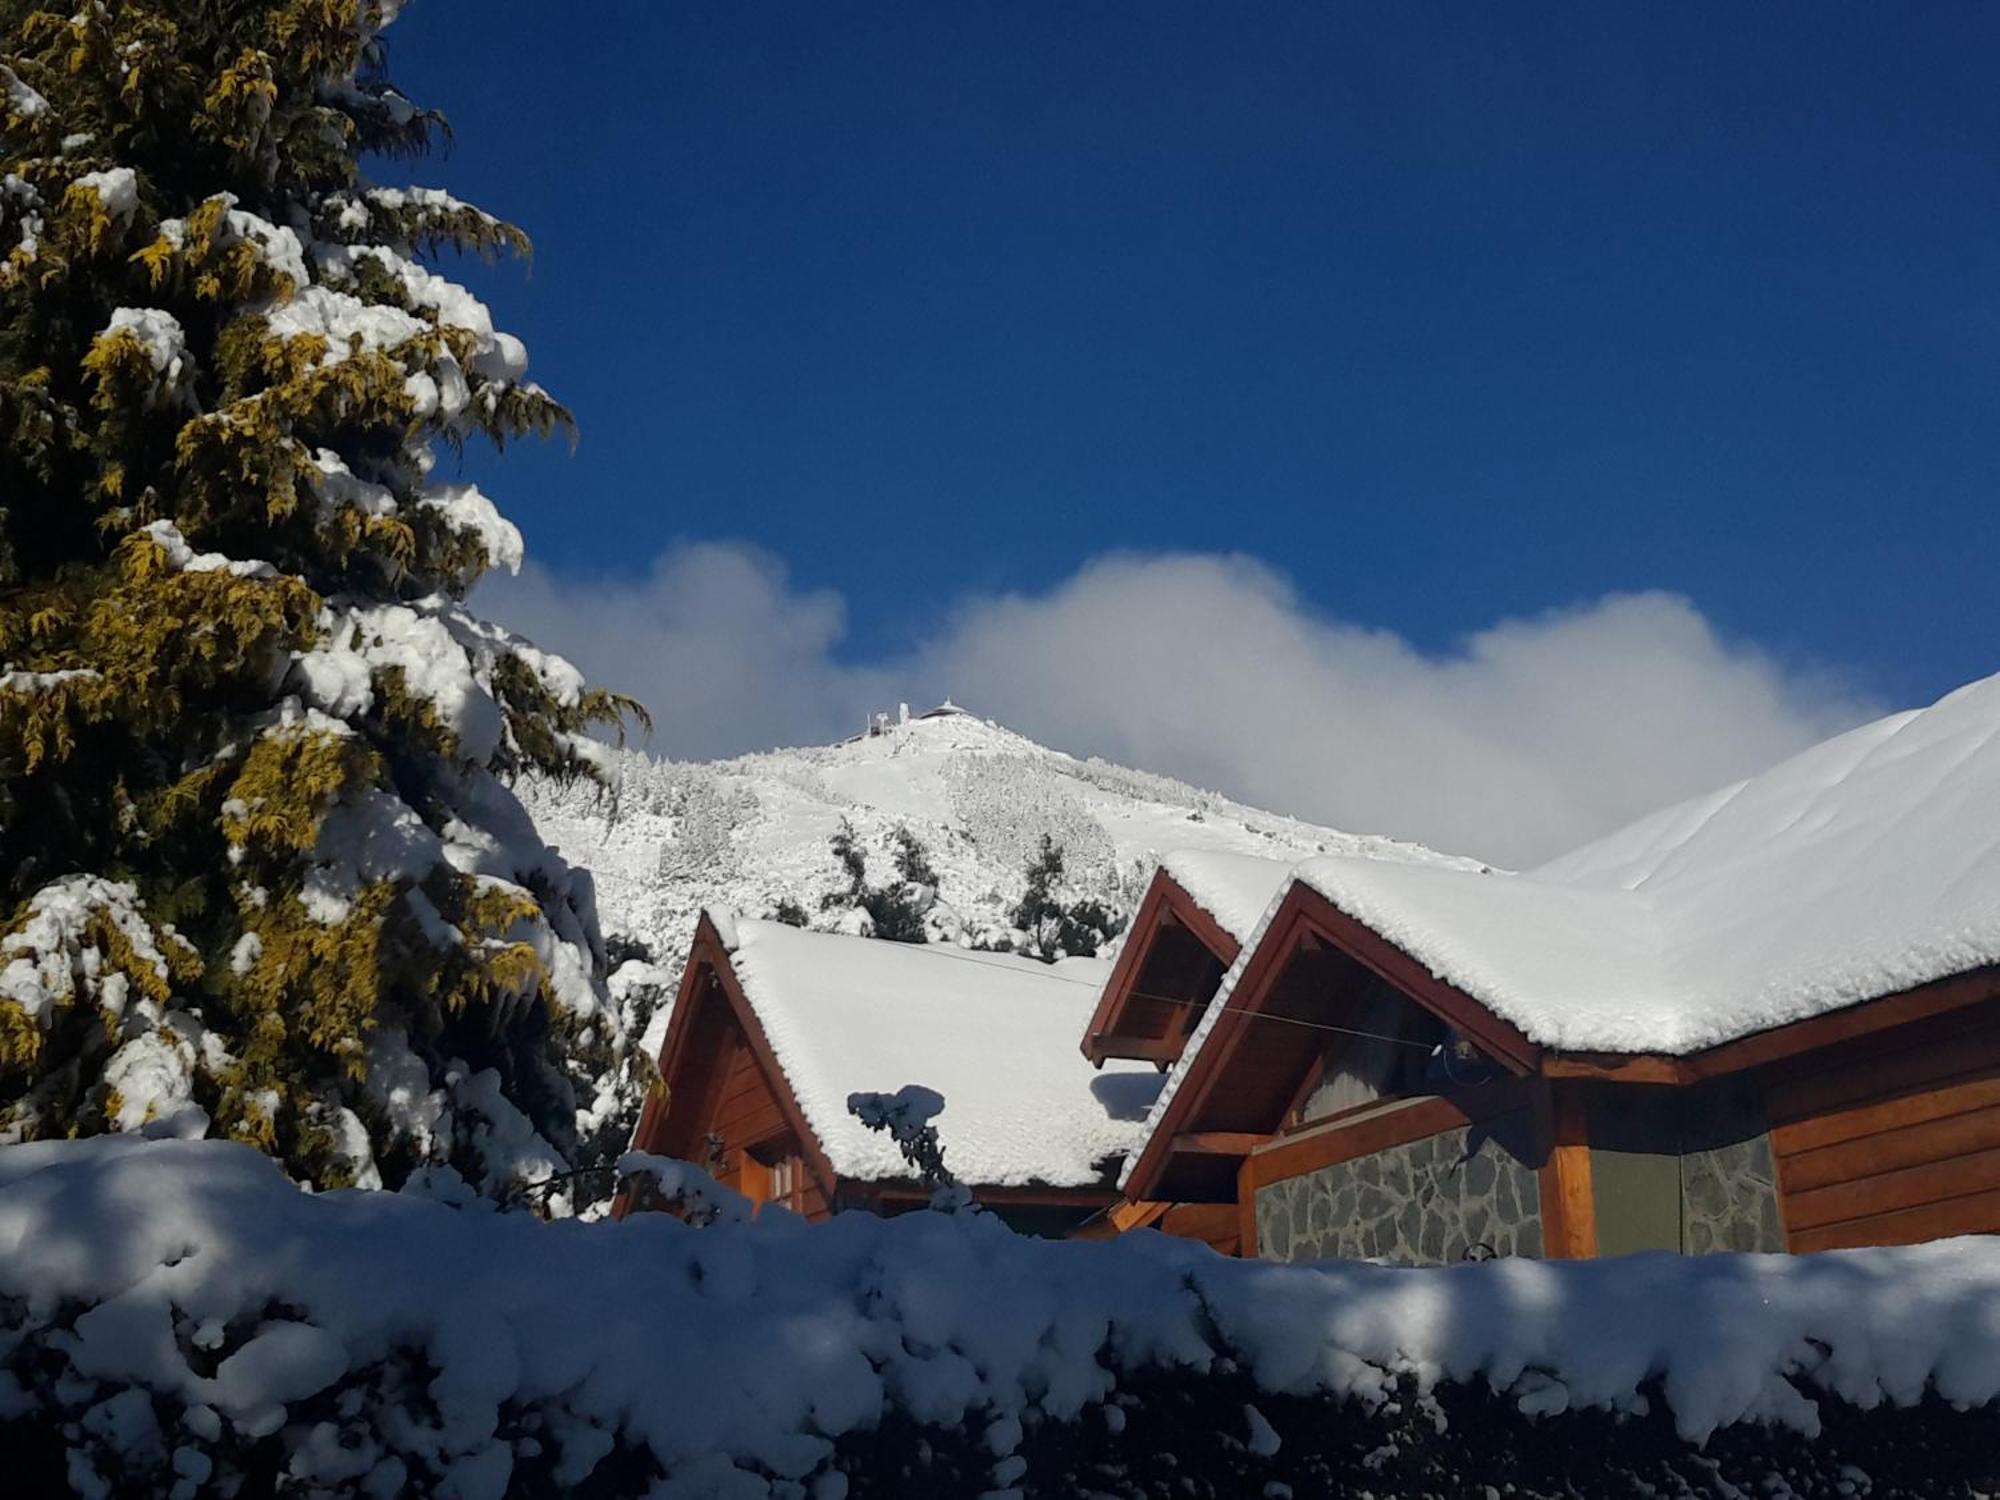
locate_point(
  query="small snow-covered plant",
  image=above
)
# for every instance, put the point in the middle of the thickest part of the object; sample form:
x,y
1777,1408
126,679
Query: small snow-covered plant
x,y
908,1116
685,1188
1057,922
913,860
257,851
893,912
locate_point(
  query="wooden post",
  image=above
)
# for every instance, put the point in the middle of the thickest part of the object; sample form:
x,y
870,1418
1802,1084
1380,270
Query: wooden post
x,y
1246,1212
1569,1208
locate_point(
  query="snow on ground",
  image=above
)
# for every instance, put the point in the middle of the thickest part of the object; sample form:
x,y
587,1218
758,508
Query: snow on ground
x,y
230,1301
995,1034
746,834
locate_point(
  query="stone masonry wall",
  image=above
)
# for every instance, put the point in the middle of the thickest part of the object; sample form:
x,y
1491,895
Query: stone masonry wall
x,y
1424,1203
1729,1183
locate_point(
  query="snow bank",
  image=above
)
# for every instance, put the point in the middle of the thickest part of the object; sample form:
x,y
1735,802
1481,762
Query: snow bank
x,y
239,1304
994,1034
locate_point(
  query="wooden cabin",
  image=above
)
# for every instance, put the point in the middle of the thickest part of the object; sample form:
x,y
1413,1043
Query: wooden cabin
x,y
774,1027
1768,1019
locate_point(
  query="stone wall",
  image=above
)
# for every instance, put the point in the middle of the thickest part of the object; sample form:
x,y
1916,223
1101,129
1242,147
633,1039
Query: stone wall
x,y
1729,1182
1423,1203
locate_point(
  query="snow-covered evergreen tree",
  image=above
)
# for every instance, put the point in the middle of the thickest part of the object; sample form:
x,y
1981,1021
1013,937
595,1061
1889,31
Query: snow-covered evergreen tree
x,y
1055,921
257,853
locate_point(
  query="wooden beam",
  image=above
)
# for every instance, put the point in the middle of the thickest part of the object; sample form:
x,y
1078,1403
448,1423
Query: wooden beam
x,y
1217,1142
1372,1128
1053,1197
1569,1204
1136,1049
1246,1210
1612,1067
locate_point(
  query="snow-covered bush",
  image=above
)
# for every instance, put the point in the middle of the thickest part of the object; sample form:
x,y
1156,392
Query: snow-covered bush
x,y
898,912
1009,804
1054,920
176,1319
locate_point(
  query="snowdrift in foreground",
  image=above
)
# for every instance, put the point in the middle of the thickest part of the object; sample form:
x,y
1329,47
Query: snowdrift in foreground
x,y
243,1309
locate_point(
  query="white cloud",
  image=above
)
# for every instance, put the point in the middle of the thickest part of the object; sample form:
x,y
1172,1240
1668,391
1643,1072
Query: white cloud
x,y
1532,736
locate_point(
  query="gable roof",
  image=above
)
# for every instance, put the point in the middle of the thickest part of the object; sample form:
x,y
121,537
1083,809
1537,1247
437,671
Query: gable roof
x,y
1234,889
1864,867
993,1033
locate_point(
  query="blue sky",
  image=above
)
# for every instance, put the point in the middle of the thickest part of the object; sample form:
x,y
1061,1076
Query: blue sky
x,y
1450,314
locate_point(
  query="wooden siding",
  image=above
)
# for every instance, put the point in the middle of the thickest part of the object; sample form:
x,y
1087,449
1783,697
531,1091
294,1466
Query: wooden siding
x,y
1893,1138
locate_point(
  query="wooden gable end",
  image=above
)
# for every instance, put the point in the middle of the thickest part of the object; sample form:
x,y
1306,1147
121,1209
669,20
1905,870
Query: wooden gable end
x,y
1304,986
723,1102
1166,974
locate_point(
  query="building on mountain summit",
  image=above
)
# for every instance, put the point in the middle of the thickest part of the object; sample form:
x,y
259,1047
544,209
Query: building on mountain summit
x,y
1766,1019
773,1028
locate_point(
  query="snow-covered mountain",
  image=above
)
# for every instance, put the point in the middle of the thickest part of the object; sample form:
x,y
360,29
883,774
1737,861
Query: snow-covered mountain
x,y
753,835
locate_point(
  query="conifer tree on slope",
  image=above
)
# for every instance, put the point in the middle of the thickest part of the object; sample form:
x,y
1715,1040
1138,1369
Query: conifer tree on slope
x,y
257,852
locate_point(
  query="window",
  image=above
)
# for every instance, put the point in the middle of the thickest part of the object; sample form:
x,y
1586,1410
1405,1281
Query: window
x,y
779,1176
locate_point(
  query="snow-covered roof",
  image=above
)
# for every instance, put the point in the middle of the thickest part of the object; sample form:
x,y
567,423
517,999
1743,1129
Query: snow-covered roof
x,y
1235,889
993,1033
1863,866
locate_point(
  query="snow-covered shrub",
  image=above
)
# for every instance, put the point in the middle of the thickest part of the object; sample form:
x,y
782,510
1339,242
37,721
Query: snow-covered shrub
x,y
1008,804
704,818
173,1313
897,912
1053,919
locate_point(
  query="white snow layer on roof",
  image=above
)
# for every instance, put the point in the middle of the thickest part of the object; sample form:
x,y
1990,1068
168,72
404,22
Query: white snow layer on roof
x,y
1863,866
1237,889
994,1034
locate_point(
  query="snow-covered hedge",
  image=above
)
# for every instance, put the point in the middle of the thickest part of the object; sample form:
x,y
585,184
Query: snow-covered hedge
x,y
176,1319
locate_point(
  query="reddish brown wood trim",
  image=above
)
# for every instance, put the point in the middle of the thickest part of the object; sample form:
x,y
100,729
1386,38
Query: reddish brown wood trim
x,y
1569,1207
1363,944
1218,1142
1266,961
1865,1018
1133,1049
1166,901
1125,972
1613,1067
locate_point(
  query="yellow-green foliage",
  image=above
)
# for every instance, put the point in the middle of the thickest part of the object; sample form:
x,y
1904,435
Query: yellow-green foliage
x,y
151,723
